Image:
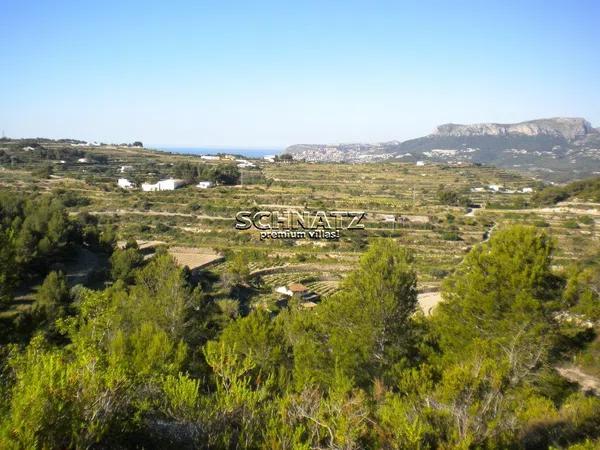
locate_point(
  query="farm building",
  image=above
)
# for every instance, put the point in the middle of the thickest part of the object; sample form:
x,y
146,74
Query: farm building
x,y
163,185
125,183
204,184
298,290
420,163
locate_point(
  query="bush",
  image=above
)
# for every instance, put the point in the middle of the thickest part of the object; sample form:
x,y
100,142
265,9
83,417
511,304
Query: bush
x,y
450,236
571,224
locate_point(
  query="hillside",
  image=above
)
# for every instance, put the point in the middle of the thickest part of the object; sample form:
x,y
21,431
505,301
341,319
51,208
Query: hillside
x,y
557,148
148,319
581,190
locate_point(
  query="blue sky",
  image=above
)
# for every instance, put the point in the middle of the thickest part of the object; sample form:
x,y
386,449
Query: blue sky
x,y
273,73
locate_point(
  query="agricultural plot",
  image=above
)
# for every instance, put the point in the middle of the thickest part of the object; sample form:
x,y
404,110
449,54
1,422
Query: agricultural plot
x,y
402,202
194,258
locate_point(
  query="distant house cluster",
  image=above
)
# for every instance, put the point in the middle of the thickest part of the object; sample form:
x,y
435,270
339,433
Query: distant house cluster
x,y
172,183
241,163
169,184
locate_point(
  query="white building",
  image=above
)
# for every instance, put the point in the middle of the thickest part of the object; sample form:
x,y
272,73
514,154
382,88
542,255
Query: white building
x,y
242,163
420,163
163,185
495,187
125,183
124,169
527,190
210,157
83,160
204,184
269,158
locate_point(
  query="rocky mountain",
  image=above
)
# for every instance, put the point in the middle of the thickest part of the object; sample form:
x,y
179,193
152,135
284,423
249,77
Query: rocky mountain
x,y
559,148
565,127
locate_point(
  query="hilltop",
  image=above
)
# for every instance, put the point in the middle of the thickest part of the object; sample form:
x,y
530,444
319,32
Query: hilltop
x,y
556,148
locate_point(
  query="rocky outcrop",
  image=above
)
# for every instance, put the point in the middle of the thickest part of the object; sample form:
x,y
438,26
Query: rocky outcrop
x,y
566,127
559,149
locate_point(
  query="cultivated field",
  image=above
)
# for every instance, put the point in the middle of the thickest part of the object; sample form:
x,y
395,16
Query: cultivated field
x,y
198,224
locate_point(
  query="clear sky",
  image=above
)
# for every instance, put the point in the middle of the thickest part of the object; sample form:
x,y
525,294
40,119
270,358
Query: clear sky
x,y
273,73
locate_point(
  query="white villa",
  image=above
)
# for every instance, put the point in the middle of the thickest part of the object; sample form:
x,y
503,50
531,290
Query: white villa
x,y
125,183
210,157
163,185
204,184
420,163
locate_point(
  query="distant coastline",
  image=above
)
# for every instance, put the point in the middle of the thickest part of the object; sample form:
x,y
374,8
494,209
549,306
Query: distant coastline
x,y
247,152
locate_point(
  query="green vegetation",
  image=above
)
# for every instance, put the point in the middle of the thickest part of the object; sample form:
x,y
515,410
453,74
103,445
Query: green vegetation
x,y
35,230
150,360
225,174
109,340
447,197
588,189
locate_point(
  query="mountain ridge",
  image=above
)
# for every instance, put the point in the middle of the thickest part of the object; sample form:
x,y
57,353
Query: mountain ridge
x,y
566,145
567,127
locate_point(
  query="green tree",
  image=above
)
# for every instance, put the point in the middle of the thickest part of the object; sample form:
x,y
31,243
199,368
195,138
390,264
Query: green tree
x,y
503,289
496,332
53,298
227,174
261,338
8,266
238,272
240,400
160,295
367,329
124,262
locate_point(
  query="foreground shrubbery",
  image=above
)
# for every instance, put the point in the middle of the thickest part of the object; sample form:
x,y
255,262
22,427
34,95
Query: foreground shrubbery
x,y
152,362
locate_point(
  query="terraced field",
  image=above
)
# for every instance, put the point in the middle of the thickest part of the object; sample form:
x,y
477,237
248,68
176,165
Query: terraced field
x,y
439,234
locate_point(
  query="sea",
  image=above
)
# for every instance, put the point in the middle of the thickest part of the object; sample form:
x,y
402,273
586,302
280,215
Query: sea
x,y
247,152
